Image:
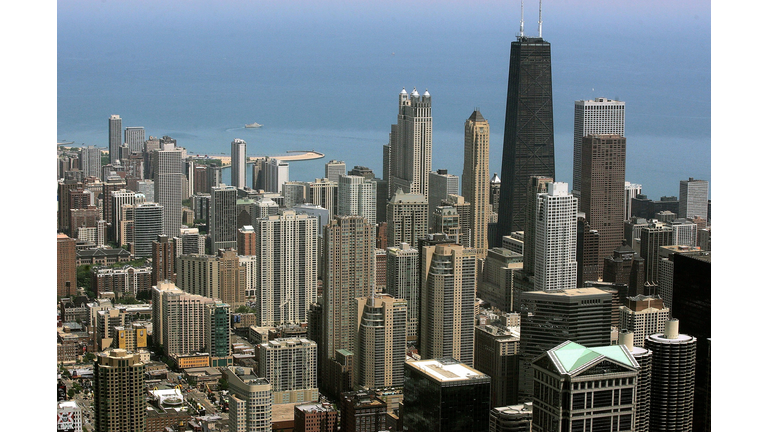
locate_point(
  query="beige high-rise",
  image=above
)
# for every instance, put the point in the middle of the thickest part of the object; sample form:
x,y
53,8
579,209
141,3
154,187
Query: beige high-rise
x,y
118,397
380,345
476,181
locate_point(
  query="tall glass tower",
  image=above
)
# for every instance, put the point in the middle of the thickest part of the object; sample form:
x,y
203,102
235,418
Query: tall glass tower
x,y
529,140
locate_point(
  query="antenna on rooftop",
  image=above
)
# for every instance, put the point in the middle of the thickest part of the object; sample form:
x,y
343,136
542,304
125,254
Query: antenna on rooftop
x,y
539,18
521,19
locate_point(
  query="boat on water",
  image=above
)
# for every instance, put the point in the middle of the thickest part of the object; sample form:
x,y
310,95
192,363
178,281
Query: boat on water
x,y
253,125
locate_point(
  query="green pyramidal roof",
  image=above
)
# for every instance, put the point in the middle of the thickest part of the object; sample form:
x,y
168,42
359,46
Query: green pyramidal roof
x,y
573,356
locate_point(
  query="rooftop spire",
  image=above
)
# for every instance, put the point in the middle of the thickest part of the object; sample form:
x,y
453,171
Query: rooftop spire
x,y
539,18
521,19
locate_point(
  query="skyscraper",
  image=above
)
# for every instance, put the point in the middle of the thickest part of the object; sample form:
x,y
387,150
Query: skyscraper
x,y
449,282
147,225
380,344
410,145
672,379
403,282
555,260
250,401
134,139
529,140
239,161
286,282
357,196
441,184
290,365
694,198
163,260
118,396
603,162
275,174
115,137
348,273
66,266
594,117
407,218
643,316
476,180
168,184
335,169
90,161
223,225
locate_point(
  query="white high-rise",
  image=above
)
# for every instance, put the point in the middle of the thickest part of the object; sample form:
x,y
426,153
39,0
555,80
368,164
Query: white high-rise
x,y
335,169
556,222
694,198
596,117
631,190
115,137
357,196
275,174
286,267
168,183
90,161
239,161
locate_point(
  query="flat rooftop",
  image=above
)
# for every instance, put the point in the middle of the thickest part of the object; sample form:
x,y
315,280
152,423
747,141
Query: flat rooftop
x,y
446,372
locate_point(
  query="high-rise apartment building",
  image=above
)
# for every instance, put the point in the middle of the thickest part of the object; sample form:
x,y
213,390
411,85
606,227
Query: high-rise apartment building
x,y
581,315
445,395
496,285
529,140
216,320
250,401
449,282
496,355
232,278
555,260
239,161
534,186
603,164
319,417
643,316
441,185
134,139
178,322
631,190
90,161
324,193
115,137
403,282
348,273
290,366
198,274
380,344
286,267
335,169
672,379
598,116
275,174
410,145
407,218
223,225
147,225
356,196
476,180
118,397
163,260
694,198
168,184
597,385
246,240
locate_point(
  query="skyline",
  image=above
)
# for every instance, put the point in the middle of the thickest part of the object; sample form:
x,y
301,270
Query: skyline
x,y
237,68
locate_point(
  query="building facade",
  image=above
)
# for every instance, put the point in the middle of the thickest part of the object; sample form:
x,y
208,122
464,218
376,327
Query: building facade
x,y
410,145
239,163
597,116
476,180
119,400
556,219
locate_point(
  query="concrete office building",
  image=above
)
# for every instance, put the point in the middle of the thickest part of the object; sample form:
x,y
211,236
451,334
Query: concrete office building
x,y
694,198
90,161
475,185
598,116
119,401
496,285
496,355
449,282
239,164
147,226
134,139
335,169
643,316
445,395
115,137
168,184
223,217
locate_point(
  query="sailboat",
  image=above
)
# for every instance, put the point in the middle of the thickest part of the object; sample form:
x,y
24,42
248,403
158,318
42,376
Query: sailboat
x,y
253,125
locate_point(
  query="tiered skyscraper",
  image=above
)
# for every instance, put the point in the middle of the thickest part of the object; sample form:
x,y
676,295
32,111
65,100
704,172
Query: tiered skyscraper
x,y
239,161
529,139
476,180
410,145
594,117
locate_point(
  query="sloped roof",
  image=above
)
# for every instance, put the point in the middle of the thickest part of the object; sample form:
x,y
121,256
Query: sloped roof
x,y
571,357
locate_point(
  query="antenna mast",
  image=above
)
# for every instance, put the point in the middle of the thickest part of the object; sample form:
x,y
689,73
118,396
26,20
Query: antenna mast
x,y
521,19
539,18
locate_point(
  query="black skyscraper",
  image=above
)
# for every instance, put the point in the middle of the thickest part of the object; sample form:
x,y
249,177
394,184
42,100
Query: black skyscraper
x,y
529,140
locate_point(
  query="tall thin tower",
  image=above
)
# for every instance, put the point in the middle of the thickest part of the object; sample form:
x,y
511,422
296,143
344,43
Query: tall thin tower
x,y
410,146
529,140
594,117
238,163
115,137
476,181
167,164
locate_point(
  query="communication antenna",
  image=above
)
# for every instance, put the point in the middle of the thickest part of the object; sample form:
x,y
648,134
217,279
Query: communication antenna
x,y
539,18
521,19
